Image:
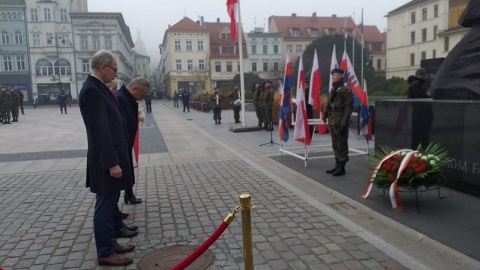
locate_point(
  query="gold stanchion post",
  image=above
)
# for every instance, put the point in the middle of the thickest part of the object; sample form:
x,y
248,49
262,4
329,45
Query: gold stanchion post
x,y
245,205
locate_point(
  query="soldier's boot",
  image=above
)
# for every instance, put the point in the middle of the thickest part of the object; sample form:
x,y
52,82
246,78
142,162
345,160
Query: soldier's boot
x,y
265,126
259,123
332,170
341,169
216,122
270,127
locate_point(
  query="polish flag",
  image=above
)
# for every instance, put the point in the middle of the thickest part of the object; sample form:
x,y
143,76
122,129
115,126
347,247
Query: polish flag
x,y
315,84
232,6
302,130
333,64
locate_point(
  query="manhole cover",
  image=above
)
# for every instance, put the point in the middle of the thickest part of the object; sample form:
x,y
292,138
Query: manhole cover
x,y
166,258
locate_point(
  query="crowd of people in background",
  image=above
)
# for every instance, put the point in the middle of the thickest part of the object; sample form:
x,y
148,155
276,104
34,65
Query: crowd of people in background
x,y
11,104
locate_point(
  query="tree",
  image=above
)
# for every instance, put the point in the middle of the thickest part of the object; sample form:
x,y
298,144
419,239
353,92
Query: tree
x,y
249,79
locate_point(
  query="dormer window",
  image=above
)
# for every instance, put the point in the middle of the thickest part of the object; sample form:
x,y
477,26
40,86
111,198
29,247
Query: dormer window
x,y
295,32
225,36
332,31
314,32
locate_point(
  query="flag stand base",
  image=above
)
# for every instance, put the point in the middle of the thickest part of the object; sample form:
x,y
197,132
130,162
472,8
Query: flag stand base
x,y
271,142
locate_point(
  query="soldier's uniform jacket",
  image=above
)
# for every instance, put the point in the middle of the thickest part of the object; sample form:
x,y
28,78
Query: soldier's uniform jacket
x,y
213,101
256,96
260,98
15,99
340,101
267,100
5,100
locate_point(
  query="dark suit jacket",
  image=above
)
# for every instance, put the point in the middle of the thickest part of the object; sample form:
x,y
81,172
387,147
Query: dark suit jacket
x,y
107,138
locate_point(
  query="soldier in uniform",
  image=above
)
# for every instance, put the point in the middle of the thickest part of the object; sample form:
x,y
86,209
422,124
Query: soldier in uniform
x,y
268,99
237,106
15,104
5,104
257,90
261,108
215,104
338,112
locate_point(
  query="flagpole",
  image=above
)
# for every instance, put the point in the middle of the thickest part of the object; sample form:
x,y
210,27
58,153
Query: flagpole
x,y
363,46
240,46
353,41
345,33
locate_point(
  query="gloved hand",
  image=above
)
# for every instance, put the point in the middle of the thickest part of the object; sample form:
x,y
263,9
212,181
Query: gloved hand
x,y
342,130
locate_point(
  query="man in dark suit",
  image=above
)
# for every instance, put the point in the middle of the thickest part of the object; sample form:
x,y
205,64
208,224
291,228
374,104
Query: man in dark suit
x,y
109,168
127,97
186,100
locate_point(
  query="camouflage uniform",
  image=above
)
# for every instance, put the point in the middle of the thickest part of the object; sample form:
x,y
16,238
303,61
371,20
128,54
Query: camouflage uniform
x,y
340,102
5,104
216,108
256,103
260,105
15,104
268,98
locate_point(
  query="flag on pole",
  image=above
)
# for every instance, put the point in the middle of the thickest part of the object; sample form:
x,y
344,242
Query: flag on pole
x,y
333,64
135,147
232,6
365,125
301,132
350,79
285,101
315,84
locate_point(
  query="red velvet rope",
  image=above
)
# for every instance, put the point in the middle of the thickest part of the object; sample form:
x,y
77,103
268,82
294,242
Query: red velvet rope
x,y
201,249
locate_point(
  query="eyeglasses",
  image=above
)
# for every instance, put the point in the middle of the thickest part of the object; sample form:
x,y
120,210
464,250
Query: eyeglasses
x,y
114,69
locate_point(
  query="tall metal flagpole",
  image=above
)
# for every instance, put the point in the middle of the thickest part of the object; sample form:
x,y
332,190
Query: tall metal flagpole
x,y
240,47
353,42
363,47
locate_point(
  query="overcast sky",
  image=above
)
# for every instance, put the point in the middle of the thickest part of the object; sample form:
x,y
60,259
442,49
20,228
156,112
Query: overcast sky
x,y
152,17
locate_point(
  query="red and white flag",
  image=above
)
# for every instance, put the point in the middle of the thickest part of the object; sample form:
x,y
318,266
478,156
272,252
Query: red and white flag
x,y
301,132
136,146
333,64
351,80
232,7
365,124
315,84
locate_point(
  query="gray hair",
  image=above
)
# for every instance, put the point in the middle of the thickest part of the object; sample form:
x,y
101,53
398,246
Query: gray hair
x,y
102,57
139,82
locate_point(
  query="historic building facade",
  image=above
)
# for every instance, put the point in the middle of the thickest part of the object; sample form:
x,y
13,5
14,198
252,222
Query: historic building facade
x,y
265,54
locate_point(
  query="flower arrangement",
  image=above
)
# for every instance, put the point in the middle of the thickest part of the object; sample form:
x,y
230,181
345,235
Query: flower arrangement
x,y
406,168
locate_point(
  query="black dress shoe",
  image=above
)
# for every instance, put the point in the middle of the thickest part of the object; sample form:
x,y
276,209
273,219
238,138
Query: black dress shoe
x,y
130,228
125,233
132,200
123,215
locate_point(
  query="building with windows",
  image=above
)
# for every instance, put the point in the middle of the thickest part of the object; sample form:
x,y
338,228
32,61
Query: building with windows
x,y
51,47
14,55
265,53
184,60
142,66
94,31
421,30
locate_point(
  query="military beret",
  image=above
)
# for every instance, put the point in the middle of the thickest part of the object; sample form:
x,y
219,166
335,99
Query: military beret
x,y
420,71
337,70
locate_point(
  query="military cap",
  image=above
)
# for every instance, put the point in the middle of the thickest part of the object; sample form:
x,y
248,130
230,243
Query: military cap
x,y
420,71
337,70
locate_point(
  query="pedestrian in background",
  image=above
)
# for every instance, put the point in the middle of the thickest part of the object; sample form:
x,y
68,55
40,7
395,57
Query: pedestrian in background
x,y
148,102
175,99
186,100
62,99
20,99
216,106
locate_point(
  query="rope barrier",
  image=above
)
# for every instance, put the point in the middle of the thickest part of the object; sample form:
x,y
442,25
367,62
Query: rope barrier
x,y
207,243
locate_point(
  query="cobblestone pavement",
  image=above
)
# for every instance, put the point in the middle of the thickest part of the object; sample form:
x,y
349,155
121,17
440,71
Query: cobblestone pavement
x,y
189,182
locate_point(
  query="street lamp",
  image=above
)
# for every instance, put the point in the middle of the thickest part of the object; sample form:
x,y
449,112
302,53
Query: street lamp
x,y
49,41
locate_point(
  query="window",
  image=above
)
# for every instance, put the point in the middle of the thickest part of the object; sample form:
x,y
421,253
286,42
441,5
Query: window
x,y
63,15
435,30
296,32
275,66
275,49
145,66
7,63
434,54
299,48
289,48
435,11
108,42
229,67
18,38
254,49
254,66
85,65
179,64
265,66
44,68
446,44
424,14
189,64
84,42
412,59
227,50
424,34
225,35
412,17
265,49
423,56
36,40
200,45
33,15
96,43
332,31
46,13
379,64
412,37
177,45
21,62
63,68
314,32
201,64
189,45
218,67
5,38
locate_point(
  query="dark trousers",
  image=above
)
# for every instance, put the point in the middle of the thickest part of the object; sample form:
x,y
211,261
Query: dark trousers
x,y
339,143
149,107
106,208
186,106
236,113
63,107
175,103
217,114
